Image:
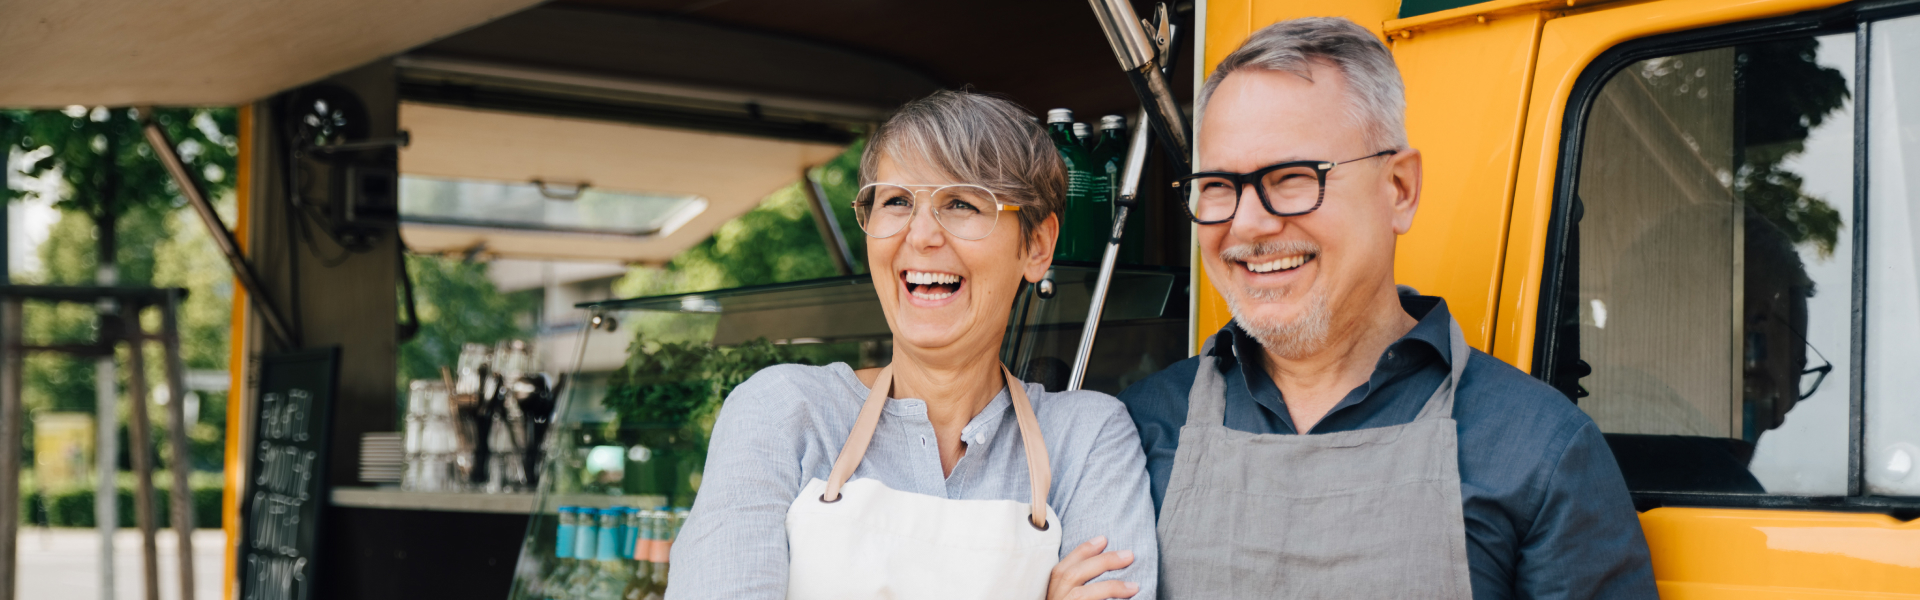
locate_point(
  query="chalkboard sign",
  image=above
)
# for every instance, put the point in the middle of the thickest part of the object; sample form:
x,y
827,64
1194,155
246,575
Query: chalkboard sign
x,y
286,483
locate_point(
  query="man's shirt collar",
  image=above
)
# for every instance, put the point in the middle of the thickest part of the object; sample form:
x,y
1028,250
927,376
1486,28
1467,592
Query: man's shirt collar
x,y
1238,352
1430,311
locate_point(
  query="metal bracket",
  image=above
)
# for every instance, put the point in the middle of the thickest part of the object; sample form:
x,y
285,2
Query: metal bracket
x,y
1144,54
398,141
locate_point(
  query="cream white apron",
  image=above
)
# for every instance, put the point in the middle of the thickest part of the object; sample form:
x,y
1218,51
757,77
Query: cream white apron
x,y
860,539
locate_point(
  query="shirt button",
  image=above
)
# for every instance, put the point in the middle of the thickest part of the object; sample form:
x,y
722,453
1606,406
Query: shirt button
x,y
923,440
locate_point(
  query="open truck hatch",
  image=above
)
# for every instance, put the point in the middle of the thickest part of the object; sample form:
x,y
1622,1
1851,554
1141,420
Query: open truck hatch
x,y
606,191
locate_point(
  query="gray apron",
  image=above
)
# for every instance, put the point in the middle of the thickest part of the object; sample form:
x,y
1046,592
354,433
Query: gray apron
x,y
1373,513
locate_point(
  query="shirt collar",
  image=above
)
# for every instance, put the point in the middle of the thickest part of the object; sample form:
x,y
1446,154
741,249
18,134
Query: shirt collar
x,y
1432,329
982,426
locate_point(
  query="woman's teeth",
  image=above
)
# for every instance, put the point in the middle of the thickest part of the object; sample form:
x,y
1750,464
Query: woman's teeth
x,y
924,278
927,285
1280,264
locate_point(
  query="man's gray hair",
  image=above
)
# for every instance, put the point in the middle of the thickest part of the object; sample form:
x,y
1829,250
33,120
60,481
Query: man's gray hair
x,y
980,139
1379,105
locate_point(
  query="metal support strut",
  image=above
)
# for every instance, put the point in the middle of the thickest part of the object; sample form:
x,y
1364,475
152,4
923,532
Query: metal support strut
x,y
1146,54
222,237
1129,193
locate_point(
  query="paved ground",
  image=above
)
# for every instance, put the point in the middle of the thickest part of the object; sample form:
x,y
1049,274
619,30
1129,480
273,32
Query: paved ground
x,y
61,564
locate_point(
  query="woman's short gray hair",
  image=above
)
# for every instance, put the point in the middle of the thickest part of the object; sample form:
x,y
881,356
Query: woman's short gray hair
x,y
979,139
1379,104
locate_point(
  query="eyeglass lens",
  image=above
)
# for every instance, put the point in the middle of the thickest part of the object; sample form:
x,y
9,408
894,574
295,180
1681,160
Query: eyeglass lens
x,y
1288,190
966,211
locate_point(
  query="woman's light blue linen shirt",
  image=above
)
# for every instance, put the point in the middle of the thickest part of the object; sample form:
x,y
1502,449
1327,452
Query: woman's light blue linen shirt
x,y
786,425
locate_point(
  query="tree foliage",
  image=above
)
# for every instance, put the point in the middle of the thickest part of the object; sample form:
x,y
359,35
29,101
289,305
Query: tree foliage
x,y
671,386
1800,95
106,170
458,305
103,157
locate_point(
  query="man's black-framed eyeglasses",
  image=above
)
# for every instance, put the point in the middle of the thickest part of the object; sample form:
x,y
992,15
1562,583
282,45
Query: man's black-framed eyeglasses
x,y
1287,189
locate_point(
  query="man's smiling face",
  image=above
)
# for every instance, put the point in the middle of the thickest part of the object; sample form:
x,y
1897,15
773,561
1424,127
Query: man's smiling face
x,y
1292,280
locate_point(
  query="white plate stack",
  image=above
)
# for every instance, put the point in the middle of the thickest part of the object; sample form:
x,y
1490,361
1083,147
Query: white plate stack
x,y
381,457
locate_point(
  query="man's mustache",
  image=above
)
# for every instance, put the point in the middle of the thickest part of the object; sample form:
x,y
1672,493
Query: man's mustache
x,y
1246,252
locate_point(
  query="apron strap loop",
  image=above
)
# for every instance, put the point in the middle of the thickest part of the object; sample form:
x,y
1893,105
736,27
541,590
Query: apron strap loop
x,y
1039,474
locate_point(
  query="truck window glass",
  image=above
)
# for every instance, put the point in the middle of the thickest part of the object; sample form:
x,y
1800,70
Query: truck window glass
x,y
1714,267
1892,451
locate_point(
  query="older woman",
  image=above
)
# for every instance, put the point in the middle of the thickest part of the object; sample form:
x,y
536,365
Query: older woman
x,y
941,475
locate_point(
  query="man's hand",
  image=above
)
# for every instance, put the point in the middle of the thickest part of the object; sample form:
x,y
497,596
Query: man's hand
x,y
1070,577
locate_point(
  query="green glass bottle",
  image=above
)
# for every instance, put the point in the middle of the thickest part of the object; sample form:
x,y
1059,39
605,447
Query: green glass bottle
x,y
666,526
610,572
1089,213
554,585
1083,134
1110,152
640,576
585,547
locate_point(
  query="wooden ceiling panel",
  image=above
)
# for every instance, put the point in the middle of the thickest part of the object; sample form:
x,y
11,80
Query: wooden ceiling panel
x,y
207,52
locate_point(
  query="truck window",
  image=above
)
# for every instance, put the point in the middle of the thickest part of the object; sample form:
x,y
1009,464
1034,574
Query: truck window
x,y
1711,268
1892,446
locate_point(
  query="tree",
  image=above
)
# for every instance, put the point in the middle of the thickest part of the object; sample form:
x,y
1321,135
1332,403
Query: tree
x,y
117,201
1800,95
109,169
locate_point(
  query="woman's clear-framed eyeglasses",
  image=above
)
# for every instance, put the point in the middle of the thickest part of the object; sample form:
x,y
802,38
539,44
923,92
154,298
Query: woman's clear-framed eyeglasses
x,y
966,211
1287,189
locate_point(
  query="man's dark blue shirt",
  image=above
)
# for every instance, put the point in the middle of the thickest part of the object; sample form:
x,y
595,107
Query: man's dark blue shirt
x,y
1547,512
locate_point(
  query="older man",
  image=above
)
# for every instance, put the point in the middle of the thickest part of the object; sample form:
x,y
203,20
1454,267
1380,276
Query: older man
x,y
1340,439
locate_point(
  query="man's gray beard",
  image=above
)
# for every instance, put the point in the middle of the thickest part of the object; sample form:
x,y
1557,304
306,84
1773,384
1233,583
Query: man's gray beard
x,y
1301,337
1307,333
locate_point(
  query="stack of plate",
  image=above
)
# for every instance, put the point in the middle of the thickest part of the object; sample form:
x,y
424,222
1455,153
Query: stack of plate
x,y
381,457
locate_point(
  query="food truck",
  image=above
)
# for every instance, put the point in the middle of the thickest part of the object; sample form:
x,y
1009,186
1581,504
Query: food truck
x,y
1657,206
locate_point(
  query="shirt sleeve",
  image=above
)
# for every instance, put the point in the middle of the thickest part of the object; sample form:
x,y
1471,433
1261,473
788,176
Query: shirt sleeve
x,y
1158,406
1110,497
1586,541
734,543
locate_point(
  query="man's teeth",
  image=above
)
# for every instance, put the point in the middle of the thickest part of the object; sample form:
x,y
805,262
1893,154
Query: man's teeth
x,y
926,278
1279,264
926,296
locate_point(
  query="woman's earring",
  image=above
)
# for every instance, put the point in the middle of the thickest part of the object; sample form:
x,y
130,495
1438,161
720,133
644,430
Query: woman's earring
x,y
1044,288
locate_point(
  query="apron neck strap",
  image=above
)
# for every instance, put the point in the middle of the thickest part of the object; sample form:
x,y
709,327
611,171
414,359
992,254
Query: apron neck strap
x,y
1441,404
1039,474
1207,401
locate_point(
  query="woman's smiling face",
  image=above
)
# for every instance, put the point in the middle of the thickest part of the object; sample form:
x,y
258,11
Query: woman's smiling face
x,y
943,292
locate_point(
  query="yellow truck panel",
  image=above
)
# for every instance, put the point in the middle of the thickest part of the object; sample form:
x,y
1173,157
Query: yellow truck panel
x,y
1488,87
